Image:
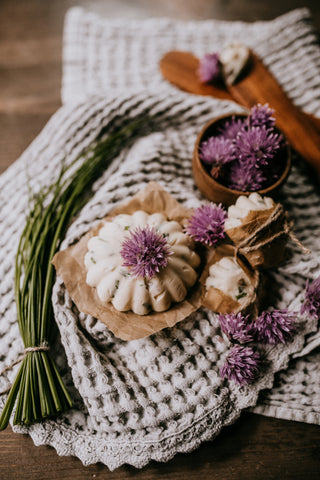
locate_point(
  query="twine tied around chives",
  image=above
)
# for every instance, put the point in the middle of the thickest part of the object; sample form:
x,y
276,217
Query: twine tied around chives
x,y
41,348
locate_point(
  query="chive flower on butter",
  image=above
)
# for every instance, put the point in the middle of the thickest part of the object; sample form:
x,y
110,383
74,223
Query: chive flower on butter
x,y
209,69
275,327
236,327
206,225
311,304
145,251
241,365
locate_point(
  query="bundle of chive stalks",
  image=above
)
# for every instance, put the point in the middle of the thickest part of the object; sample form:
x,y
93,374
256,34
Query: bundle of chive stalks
x,y
38,390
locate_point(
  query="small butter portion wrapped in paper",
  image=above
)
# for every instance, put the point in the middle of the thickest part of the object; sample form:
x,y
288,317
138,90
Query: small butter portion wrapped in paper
x,y
259,229
230,284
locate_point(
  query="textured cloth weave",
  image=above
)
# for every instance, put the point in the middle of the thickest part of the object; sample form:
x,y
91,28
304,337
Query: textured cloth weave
x,y
101,56
152,398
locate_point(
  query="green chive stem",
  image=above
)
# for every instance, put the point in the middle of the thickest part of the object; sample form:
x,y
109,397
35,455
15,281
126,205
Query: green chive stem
x,y
38,390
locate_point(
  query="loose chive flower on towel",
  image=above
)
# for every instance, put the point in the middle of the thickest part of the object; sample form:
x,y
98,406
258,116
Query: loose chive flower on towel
x,y
275,327
311,303
241,365
237,327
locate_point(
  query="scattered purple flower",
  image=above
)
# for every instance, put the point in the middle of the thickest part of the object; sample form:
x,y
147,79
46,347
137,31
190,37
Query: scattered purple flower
x,y
237,327
261,116
257,143
145,251
245,177
209,69
206,225
311,304
241,365
275,327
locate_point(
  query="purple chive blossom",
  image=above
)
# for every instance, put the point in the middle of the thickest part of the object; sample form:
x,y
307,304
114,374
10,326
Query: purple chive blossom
x,y
241,365
230,129
261,116
206,225
311,304
275,327
245,177
237,327
258,144
145,251
241,155
209,68
216,152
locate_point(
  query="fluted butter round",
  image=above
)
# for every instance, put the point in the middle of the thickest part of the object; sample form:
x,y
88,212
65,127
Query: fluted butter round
x,y
115,282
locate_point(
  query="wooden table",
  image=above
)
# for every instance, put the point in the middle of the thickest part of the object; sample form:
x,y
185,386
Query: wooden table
x,y
30,74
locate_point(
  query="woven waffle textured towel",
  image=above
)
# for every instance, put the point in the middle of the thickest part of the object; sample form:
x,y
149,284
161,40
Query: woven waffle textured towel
x,y
101,56
151,398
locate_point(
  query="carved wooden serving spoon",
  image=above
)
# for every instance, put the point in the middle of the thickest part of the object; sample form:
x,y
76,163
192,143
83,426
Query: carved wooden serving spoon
x,y
257,85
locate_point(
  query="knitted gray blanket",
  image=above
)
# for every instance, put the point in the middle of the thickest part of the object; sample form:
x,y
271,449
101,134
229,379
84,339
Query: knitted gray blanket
x,y
151,398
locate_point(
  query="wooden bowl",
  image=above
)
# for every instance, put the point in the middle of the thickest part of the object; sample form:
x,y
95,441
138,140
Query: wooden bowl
x,y
217,192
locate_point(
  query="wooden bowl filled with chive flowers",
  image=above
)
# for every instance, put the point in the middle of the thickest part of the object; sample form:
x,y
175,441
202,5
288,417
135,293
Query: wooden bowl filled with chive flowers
x,y
238,154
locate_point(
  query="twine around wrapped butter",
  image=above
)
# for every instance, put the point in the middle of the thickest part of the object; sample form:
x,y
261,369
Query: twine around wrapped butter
x,y
262,236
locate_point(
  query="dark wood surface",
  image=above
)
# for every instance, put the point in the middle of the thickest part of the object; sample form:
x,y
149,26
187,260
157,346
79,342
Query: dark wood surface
x,y
30,75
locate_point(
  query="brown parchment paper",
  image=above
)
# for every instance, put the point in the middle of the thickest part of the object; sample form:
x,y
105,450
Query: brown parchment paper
x,y
217,300
70,267
273,252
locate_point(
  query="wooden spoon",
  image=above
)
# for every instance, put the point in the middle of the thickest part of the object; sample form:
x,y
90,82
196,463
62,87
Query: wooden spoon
x,y
180,68
257,86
